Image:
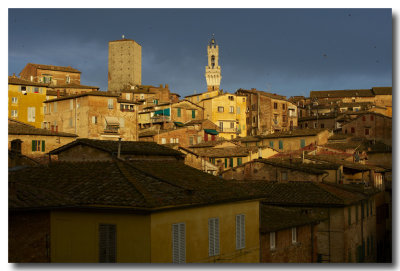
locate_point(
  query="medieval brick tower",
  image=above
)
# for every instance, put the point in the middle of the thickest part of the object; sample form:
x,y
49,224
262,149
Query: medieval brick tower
x,y
213,71
124,64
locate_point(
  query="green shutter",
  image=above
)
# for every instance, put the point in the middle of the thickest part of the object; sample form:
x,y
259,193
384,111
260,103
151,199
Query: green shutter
x,y
193,114
231,162
179,112
226,162
239,161
271,144
302,143
33,145
43,146
280,144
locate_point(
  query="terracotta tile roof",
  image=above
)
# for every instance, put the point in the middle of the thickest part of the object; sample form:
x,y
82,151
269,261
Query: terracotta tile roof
x,y
342,93
127,147
382,90
19,128
344,163
247,139
285,163
274,218
120,100
267,94
54,68
222,152
90,93
18,81
320,117
72,85
207,144
119,184
294,133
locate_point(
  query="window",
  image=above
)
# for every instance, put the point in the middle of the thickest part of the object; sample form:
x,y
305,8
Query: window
x,y
220,109
14,113
352,130
232,125
294,235
155,101
38,145
14,100
372,117
128,96
31,114
171,140
272,240
16,145
283,118
254,119
284,176
199,139
322,125
230,162
110,104
280,144
283,106
107,243
271,144
178,243
221,126
94,119
179,113
363,118
68,79
213,236
275,105
238,110
176,140
163,140
315,125
231,109
36,90
141,96
193,114
191,140
46,79
366,131
240,231
230,98
239,161
226,162
302,143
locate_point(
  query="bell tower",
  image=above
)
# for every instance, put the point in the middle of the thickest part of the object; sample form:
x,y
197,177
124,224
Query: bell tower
x,y
213,70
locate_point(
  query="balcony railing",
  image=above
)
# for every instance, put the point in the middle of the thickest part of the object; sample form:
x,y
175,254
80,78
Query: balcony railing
x,y
155,119
228,130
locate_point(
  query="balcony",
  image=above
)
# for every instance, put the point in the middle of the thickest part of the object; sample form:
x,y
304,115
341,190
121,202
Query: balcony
x,y
156,119
228,130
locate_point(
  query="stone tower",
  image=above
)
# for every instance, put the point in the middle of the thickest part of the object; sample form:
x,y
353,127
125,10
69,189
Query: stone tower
x,y
124,64
213,71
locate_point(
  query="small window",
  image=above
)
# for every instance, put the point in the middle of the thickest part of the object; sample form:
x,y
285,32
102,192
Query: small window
x,y
231,109
171,140
31,114
284,176
353,130
239,161
366,131
280,144
163,140
240,232
220,109
179,243
232,125
193,114
213,236
322,125
110,104
302,143
272,240
283,106
128,96
372,117
363,118
14,100
179,112
191,140
275,105
230,98
14,113
294,235
271,144
68,79
94,119
221,126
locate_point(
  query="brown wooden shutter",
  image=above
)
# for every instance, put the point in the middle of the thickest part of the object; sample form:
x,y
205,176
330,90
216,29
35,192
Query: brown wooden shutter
x,y
107,243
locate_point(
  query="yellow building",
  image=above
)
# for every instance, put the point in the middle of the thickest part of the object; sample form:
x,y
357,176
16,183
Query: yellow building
x,y
132,212
25,101
225,110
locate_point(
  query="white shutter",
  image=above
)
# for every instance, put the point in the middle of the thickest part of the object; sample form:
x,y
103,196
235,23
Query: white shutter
x,y
211,237
29,114
178,243
272,240
216,236
294,235
238,232
71,104
175,243
182,243
242,235
33,114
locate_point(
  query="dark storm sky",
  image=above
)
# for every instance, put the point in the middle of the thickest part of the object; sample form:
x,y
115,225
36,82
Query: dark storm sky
x,y
287,51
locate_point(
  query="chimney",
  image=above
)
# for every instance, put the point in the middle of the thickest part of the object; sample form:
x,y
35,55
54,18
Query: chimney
x,y
119,148
166,86
160,85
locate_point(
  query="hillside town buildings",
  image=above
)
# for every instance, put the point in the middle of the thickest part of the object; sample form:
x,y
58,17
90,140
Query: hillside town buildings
x,y
137,174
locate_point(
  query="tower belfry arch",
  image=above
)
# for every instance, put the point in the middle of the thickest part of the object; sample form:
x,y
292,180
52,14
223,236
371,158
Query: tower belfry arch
x,y
213,70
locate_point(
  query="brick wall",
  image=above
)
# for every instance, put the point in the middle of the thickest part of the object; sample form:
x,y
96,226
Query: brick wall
x,y
303,251
29,244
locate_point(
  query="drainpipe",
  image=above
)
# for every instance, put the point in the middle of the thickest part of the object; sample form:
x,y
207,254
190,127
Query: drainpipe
x,y
76,104
119,148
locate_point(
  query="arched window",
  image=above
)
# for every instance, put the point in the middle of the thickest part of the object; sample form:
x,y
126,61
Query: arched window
x,y
212,61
